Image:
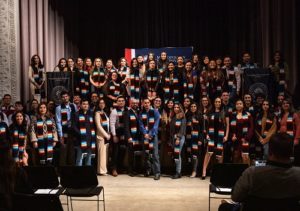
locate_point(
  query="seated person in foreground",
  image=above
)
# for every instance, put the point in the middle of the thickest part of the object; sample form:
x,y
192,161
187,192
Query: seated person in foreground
x,y
277,180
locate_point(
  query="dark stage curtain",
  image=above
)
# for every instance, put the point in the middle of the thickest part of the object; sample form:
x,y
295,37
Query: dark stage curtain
x,y
213,27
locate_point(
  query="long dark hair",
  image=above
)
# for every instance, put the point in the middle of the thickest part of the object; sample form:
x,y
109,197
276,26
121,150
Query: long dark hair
x,y
281,61
32,64
14,120
270,112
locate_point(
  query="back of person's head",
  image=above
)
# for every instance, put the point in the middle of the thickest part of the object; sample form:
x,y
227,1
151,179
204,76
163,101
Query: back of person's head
x,y
281,146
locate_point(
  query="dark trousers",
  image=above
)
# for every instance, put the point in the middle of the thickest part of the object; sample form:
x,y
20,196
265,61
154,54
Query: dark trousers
x,y
118,155
227,150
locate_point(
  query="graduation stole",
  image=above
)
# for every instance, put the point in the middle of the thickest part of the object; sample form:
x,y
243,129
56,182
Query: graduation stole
x,y
3,131
64,118
37,75
204,83
250,110
114,89
177,126
148,120
231,79
45,144
220,132
269,123
135,81
152,79
104,121
171,88
245,122
289,124
216,84
188,86
133,128
123,73
98,75
196,141
84,82
82,126
120,114
18,144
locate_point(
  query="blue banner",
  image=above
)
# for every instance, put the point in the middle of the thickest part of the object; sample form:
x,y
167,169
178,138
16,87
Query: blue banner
x,y
172,53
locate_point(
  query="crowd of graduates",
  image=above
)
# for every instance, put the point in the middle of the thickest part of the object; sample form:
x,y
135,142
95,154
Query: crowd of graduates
x,y
188,111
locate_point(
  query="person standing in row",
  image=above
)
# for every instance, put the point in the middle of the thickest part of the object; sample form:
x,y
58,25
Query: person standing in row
x,y
116,119
103,136
218,131
63,116
37,78
43,135
177,136
132,134
265,127
195,144
97,77
19,133
83,126
241,132
148,122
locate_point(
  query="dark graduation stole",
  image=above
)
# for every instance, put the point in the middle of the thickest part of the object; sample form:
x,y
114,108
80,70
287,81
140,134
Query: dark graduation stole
x,y
177,126
123,73
104,121
188,86
114,89
3,132
195,131
18,143
135,80
82,125
245,122
98,75
258,124
148,120
171,85
37,75
152,79
216,85
212,127
120,129
231,80
289,124
134,128
64,117
45,144
84,82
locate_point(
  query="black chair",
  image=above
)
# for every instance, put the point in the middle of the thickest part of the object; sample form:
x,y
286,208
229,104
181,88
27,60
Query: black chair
x,y
81,181
36,202
223,178
266,204
42,177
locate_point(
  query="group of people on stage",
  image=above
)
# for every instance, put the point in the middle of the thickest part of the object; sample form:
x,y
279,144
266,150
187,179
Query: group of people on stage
x,y
159,108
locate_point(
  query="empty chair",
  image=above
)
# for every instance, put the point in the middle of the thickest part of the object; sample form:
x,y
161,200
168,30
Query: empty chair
x,y
81,181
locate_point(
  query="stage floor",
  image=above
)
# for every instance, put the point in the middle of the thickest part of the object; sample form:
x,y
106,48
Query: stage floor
x,y
139,193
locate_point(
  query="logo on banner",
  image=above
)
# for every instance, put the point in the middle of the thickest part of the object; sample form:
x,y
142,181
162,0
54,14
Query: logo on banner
x,y
258,88
55,94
